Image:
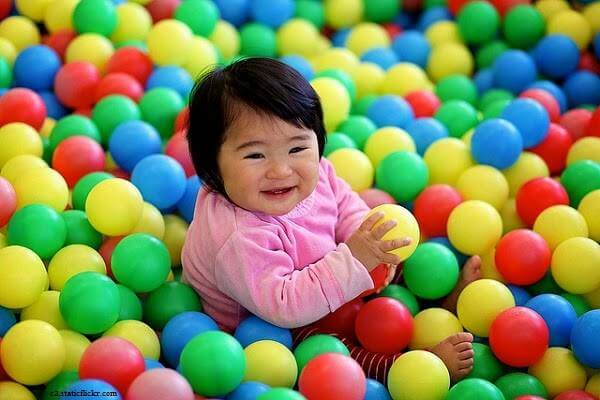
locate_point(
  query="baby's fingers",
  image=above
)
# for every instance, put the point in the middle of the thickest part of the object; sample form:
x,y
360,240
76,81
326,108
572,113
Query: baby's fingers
x,y
368,223
389,245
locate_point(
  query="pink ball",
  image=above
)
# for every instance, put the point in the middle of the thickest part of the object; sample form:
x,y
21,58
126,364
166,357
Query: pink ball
x,y
8,205
22,105
177,147
375,197
160,384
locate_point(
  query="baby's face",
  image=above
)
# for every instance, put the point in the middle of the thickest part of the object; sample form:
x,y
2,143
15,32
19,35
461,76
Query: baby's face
x,y
268,165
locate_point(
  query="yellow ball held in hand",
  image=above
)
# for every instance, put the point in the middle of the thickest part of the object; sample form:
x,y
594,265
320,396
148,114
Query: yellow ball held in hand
x,y
418,375
433,325
45,308
575,265
474,227
23,277
141,335
406,227
335,101
297,36
75,346
271,363
559,371
482,182
559,223
385,141
589,208
168,42
71,260
114,207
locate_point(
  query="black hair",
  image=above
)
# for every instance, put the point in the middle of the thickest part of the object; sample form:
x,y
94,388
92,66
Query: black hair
x,y
262,84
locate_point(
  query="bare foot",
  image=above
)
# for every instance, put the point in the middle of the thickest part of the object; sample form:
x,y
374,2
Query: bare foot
x,y
456,352
470,272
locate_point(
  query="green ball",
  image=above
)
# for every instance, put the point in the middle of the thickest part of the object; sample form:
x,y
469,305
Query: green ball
x,y
80,231
95,16
213,363
6,75
160,107
337,141
47,154
312,11
431,272
494,109
131,305
523,26
474,389
403,175
458,116
90,302
59,383
85,185
485,364
579,303
343,78
488,53
360,107
518,384
138,44
380,10
493,95
478,22
200,16
358,128
457,87
435,3
141,262
316,345
403,295
39,228
280,394
258,40
169,300
545,285
73,125
111,111
579,179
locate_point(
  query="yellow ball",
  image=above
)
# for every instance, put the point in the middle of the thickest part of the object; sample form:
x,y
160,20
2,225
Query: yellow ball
x,y
335,101
33,9
8,51
23,277
449,59
593,298
114,207
32,352
591,12
142,2
446,160
385,141
323,44
175,231
431,326
336,57
134,23
226,38
169,42
482,182
141,335
572,24
443,32
368,77
20,31
586,148
3,243
271,363
45,308
90,47
559,371
47,127
75,345
550,7
527,167
70,261
582,276
201,56
589,208
467,137
59,15
365,36
480,303
474,227
297,36
43,186
18,138
406,226
14,391
559,223
510,218
343,13
403,78
19,165
151,222
488,266
354,167
418,375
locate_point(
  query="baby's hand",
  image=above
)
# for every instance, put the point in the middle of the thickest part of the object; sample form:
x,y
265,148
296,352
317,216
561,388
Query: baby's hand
x,y
367,246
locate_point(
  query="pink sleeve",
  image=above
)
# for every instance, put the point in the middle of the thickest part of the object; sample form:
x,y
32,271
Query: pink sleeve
x,y
253,269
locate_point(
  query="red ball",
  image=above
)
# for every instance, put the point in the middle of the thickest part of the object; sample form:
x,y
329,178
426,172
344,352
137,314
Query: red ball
x,y
84,111
342,320
538,194
522,257
588,62
119,83
423,103
554,148
504,6
119,173
22,105
375,197
456,5
575,122
132,61
378,275
106,251
433,206
332,376
575,395
392,29
529,397
546,100
593,126
8,204
76,157
59,41
75,84
384,325
519,337
181,122
177,148
162,9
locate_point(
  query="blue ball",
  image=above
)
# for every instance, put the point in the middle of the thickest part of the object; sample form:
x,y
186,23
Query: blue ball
x,y
556,56
521,295
7,320
84,388
425,131
559,314
160,179
376,391
443,240
582,87
249,390
484,80
412,47
381,56
187,203
152,364
584,339
514,70
300,64
554,90
406,20
273,13
35,68
339,38
171,77
54,107
496,142
180,330
530,118
236,12
253,329
390,110
131,142
433,15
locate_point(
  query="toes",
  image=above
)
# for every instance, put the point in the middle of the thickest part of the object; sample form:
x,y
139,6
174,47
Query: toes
x,y
461,337
461,373
474,262
468,363
463,346
465,355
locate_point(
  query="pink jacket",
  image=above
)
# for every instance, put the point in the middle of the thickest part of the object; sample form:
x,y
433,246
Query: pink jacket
x,y
290,270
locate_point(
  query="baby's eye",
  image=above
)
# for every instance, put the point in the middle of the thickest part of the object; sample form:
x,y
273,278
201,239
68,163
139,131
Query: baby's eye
x,y
254,156
297,149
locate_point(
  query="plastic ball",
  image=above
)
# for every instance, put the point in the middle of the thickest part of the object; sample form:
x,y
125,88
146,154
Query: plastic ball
x,y
58,15
559,315
575,395
334,99
458,116
105,390
423,103
426,131
572,24
496,142
119,83
70,261
388,336
160,179
530,118
403,382
9,203
336,141
354,167
474,227
77,156
178,149
151,222
514,70
407,226
404,78
523,26
485,183
316,345
20,31
175,231
258,40
431,272
76,83
131,305
474,388
376,391
162,383
433,206
583,276
431,326
84,186
341,14
554,148
521,386
333,376
556,56
139,334
131,61
537,195
522,257
385,141
342,320
358,128
7,320
572,376
23,275
132,141
253,329
478,22
589,208
381,56
79,230
579,179
582,87
485,364
404,186
168,42
22,105
111,111
441,32
586,148
180,330
559,223
226,38
413,47
45,308
95,16
365,36
579,303
584,347
92,48
446,159
46,63
390,110
449,59
271,363
54,195
187,203
134,23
